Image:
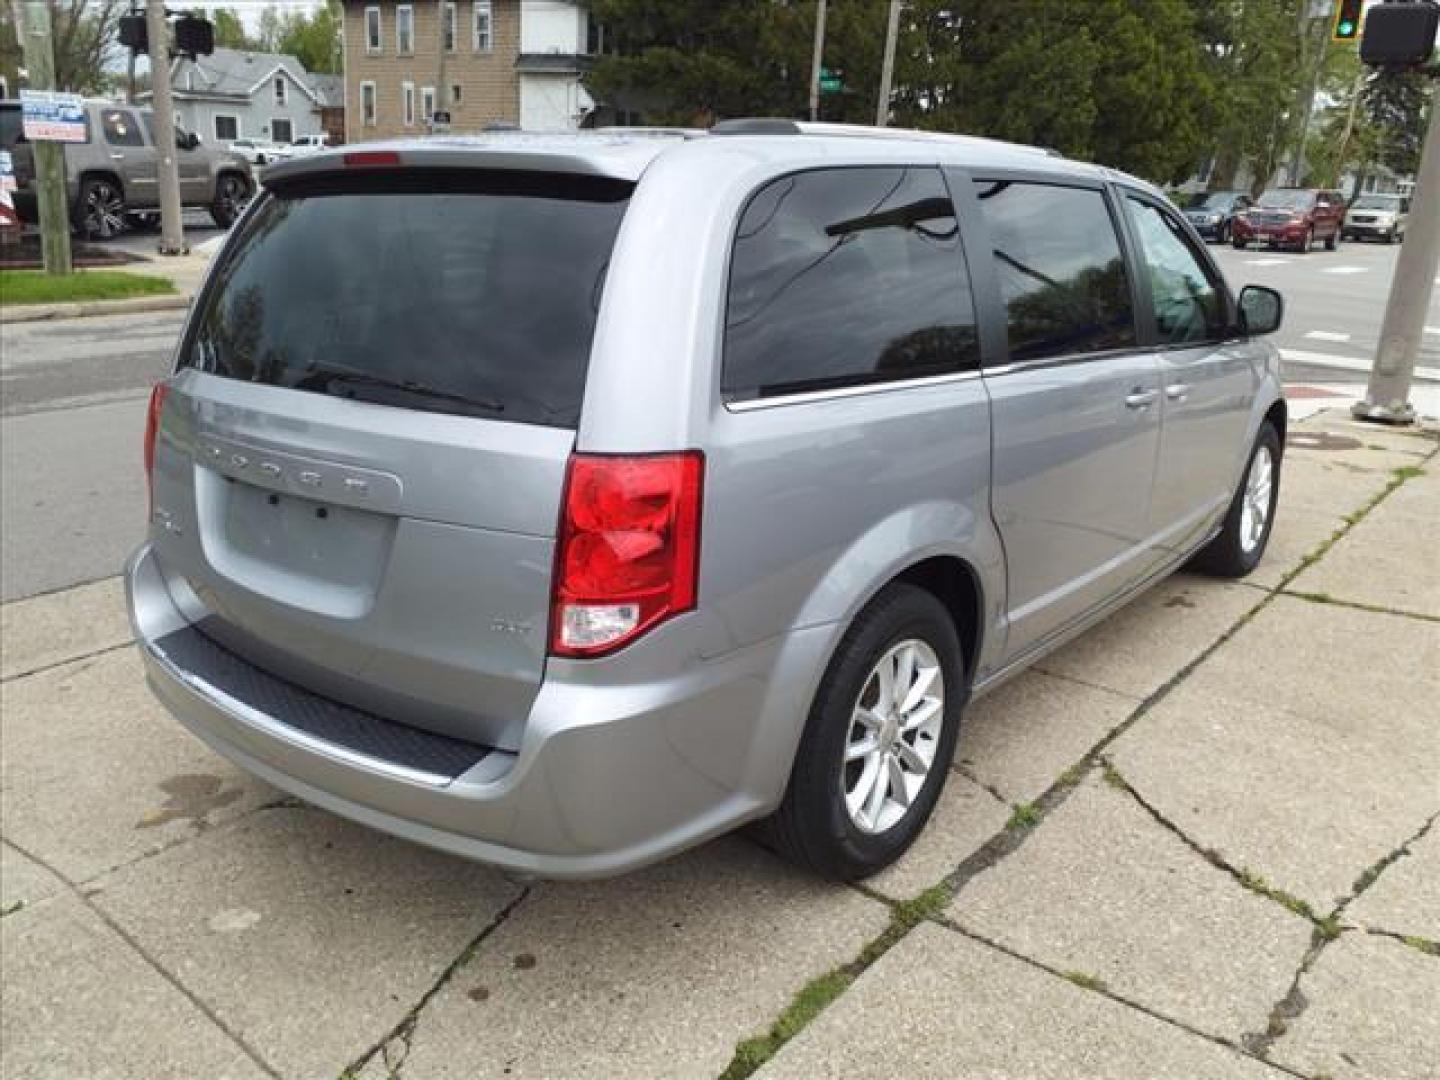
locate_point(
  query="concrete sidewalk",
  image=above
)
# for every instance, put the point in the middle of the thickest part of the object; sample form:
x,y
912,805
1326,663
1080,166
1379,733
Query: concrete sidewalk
x,y
1199,841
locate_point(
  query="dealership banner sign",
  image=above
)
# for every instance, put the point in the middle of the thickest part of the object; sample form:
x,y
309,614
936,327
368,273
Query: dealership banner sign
x,y
49,116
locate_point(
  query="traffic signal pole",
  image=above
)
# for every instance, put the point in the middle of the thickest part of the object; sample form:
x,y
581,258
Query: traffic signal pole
x,y
172,230
887,66
1387,398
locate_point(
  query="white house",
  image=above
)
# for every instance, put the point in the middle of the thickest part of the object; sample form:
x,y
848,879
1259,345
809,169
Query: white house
x,y
234,94
554,47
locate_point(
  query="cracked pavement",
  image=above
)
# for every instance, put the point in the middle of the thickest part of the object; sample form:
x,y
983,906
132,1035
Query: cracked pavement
x,y
1227,865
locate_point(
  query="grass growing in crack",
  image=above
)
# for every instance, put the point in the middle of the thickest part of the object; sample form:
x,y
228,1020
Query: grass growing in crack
x,y
1025,816
1114,779
1425,945
1328,928
1255,883
813,998
11,909
1084,980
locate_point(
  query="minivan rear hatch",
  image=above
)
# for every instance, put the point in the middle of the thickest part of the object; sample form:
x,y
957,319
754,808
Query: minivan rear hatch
x,y
362,454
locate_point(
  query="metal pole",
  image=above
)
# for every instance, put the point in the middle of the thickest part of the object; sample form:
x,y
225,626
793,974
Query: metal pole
x,y
38,44
172,228
815,62
1387,398
887,67
442,97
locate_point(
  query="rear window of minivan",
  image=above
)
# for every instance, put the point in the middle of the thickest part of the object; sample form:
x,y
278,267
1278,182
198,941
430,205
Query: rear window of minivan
x,y
468,292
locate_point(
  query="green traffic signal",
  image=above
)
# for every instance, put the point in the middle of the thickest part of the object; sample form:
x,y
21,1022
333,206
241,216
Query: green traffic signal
x,y
1347,20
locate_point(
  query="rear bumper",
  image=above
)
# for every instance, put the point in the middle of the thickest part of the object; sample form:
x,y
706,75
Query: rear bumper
x,y
608,777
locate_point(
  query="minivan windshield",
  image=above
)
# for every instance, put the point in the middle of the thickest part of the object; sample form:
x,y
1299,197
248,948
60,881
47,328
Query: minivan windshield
x,y
1214,200
1377,202
469,292
1287,199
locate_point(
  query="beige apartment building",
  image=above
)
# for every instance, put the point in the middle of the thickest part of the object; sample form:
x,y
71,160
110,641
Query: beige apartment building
x,y
516,62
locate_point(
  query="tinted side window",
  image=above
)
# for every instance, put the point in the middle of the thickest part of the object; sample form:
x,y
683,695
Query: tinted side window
x,y
1061,272
1187,301
842,277
121,128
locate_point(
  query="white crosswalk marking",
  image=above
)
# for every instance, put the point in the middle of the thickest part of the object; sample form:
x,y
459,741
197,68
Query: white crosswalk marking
x,y
1327,335
1346,270
1266,262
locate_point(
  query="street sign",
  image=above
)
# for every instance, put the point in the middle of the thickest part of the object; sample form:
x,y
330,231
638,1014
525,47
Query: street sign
x,y
831,82
50,116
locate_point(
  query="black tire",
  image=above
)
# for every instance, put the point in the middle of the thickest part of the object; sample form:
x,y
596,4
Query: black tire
x,y
812,826
1226,555
100,209
1332,241
232,192
1238,244
1309,241
1390,237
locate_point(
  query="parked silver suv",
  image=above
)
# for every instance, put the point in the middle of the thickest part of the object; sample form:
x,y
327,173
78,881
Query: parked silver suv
x,y
565,501
112,179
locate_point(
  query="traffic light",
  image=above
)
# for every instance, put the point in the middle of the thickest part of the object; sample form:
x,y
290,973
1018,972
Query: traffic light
x,y
1347,20
1400,35
133,34
194,36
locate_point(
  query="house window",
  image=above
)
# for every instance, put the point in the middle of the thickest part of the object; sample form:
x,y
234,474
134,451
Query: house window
x,y
372,30
427,103
227,128
281,131
484,39
281,90
449,27
405,29
455,94
407,103
367,104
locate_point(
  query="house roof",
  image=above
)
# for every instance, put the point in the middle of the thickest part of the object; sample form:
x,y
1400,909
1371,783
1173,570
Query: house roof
x,y
237,73
330,89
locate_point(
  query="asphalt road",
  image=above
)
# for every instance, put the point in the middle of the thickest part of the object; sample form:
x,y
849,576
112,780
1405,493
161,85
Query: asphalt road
x,y
72,405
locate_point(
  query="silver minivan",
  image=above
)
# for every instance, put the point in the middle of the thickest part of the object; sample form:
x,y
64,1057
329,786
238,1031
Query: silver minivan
x,y
564,501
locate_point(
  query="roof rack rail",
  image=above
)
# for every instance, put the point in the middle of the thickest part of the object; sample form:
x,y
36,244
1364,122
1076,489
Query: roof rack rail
x,y
755,125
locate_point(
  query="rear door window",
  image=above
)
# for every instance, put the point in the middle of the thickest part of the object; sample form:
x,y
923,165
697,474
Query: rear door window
x,y
121,128
843,277
463,292
1061,273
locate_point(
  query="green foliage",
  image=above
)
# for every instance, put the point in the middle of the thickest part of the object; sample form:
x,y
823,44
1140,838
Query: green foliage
x,y
311,37
35,287
83,32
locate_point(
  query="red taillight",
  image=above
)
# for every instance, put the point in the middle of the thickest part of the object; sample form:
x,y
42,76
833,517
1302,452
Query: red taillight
x,y
629,549
371,158
152,429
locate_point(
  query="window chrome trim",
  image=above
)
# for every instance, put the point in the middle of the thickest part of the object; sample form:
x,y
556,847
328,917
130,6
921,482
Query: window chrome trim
x,y
1041,362
841,392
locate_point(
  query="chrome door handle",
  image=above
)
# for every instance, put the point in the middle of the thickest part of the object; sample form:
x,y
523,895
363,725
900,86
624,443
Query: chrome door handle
x,y
1140,399
1177,391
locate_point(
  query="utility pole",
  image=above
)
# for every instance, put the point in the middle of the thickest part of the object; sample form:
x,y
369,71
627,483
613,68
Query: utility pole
x,y
37,42
1387,398
887,66
442,92
172,230
816,61
1311,73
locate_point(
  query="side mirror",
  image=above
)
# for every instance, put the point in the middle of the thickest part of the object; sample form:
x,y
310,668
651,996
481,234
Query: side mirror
x,y
1261,310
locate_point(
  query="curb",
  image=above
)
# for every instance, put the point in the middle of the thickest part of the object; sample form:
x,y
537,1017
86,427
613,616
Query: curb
x,y
38,312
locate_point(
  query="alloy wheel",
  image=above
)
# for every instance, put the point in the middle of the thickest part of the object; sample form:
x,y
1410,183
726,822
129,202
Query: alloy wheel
x,y
894,734
1255,511
104,211
233,196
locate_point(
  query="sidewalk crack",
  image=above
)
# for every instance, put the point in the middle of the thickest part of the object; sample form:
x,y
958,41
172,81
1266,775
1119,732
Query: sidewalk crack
x,y
394,1046
234,1036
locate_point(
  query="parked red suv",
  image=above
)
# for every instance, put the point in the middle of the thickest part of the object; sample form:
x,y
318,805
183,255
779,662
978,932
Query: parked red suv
x,y
1294,217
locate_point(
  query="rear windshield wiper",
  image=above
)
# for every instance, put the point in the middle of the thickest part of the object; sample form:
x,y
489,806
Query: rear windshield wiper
x,y
324,377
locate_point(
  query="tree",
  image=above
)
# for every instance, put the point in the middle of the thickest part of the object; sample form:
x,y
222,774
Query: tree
x,y
229,30
84,34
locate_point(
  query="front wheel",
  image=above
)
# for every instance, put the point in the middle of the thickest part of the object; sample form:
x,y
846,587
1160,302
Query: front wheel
x,y
878,742
1332,241
1238,547
231,195
1238,244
